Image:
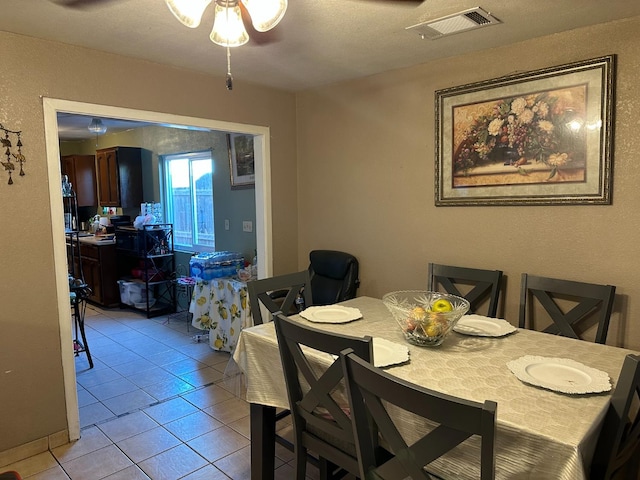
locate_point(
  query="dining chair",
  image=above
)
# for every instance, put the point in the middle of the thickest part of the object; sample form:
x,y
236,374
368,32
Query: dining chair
x,y
320,416
333,276
261,292
617,453
567,303
373,392
278,294
484,285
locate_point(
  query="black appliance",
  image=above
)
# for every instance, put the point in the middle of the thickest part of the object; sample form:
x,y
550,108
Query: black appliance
x,y
120,220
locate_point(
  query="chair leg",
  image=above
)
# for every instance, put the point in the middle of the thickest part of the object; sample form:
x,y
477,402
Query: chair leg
x,y
329,470
78,314
633,466
301,463
263,430
323,466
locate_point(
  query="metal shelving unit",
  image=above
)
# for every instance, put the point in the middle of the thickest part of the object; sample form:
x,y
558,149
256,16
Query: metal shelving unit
x,y
152,248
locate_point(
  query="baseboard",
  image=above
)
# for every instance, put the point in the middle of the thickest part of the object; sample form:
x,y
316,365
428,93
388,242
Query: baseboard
x,y
35,447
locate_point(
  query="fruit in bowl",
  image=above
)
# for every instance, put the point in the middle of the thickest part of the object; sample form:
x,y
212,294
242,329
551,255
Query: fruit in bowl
x,y
426,318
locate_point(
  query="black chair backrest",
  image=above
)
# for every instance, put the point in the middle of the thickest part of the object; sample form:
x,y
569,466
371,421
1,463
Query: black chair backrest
x,y
485,284
371,390
319,419
617,455
591,300
289,285
278,294
334,276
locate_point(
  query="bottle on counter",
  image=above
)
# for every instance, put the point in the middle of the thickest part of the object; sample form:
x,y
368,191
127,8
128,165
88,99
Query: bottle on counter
x,y
254,266
95,224
299,302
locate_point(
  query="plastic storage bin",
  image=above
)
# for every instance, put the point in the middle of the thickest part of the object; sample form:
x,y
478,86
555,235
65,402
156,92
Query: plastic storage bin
x,y
124,292
132,293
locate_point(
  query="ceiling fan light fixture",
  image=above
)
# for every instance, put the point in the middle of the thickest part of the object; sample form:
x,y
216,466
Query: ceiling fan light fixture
x,y
228,29
265,14
189,12
96,126
228,26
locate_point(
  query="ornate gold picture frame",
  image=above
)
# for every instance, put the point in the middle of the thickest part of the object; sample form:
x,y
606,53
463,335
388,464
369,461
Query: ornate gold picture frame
x,y
537,138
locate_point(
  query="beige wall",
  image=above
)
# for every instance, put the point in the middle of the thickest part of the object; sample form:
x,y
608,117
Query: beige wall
x,y
366,181
32,401
365,184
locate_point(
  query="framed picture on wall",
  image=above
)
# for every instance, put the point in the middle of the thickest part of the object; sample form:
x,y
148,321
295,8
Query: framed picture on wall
x,y
241,160
536,138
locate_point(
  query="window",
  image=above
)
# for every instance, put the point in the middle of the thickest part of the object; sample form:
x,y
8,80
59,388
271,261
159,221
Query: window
x,y
188,194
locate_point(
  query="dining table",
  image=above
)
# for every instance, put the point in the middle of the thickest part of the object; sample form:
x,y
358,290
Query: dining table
x,y
541,433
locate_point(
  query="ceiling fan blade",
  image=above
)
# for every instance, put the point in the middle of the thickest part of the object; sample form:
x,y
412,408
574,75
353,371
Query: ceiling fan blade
x,y
256,37
399,2
82,4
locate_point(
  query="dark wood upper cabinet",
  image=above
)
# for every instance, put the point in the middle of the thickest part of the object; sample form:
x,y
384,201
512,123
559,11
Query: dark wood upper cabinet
x,y
81,170
120,176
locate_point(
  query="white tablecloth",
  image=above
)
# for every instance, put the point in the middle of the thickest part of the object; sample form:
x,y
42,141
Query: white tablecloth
x,y
222,307
540,434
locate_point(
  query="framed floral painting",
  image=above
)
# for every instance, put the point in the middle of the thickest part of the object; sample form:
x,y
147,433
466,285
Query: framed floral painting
x,y
241,160
535,138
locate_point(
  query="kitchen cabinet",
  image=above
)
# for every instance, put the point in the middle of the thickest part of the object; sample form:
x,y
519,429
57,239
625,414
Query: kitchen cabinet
x,y
97,265
120,177
81,170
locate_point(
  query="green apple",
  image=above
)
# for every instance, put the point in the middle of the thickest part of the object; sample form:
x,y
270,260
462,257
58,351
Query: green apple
x,y
441,305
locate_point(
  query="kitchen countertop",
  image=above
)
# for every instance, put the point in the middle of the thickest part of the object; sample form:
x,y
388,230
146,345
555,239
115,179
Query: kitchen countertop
x,y
97,239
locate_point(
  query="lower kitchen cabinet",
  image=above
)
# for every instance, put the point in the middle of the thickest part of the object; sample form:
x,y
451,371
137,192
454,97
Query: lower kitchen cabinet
x,y
99,270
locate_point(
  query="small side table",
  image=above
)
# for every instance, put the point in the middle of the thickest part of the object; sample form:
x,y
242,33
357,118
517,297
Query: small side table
x,y
184,290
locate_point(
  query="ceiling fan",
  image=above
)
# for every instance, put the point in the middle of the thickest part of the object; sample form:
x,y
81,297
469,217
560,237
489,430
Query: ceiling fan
x,y
81,4
231,17
397,2
243,20
230,20
234,20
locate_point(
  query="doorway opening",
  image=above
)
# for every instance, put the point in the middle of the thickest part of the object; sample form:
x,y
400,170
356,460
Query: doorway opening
x,y
52,107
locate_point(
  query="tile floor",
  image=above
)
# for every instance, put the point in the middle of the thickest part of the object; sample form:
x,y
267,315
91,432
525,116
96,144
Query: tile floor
x,y
154,406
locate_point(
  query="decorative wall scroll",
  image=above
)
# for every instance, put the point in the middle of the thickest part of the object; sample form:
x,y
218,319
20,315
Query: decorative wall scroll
x,y
10,163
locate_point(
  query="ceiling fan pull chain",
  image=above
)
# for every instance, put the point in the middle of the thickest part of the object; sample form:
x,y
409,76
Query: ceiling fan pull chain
x,y
229,76
229,81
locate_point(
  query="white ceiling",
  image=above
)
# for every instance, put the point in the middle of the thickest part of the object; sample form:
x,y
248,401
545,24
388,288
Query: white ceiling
x,y
318,42
75,127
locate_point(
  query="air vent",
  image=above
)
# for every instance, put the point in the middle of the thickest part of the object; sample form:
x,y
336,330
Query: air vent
x,y
458,22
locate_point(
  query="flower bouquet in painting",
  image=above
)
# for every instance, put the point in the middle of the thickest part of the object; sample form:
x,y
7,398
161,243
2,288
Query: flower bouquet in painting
x,y
532,132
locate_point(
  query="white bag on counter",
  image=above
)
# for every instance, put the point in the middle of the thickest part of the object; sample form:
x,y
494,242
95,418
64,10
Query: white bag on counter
x,y
140,221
